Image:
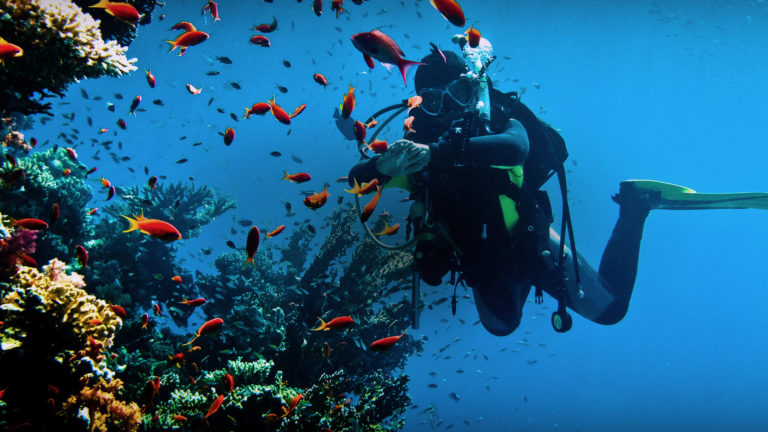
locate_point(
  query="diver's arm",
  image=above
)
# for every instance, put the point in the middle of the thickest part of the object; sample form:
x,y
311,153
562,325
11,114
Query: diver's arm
x,y
507,148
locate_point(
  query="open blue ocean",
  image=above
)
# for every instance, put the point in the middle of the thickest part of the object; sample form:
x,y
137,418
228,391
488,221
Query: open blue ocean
x,y
666,90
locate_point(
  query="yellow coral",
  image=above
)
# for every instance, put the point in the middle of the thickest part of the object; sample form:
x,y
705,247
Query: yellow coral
x,y
82,315
105,412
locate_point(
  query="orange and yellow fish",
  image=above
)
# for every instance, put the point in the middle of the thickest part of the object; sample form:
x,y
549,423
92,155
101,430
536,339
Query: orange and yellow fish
x,y
153,227
317,200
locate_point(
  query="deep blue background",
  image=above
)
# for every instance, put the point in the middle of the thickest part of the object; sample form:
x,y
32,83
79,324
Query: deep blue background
x,y
672,90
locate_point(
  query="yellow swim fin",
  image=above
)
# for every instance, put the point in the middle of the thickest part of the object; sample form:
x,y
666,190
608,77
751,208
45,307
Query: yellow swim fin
x,y
674,197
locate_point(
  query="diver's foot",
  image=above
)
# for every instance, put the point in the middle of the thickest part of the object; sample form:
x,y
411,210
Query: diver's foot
x,y
634,201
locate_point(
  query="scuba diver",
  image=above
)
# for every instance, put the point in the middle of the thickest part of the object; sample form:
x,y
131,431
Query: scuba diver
x,y
474,164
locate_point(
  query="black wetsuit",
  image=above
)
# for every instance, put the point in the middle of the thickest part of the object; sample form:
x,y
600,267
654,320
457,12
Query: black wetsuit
x,y
501,266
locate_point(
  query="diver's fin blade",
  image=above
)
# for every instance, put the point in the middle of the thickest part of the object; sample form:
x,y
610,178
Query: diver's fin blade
x,y
670,196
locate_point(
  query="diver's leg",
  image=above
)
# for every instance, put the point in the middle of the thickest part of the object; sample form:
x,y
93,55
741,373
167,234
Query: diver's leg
x,y
499,302
603,297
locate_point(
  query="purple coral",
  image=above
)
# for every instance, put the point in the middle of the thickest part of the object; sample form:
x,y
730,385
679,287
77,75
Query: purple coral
x,y
20,242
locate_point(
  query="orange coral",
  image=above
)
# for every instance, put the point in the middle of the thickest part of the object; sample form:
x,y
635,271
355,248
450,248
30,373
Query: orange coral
x,y
105,412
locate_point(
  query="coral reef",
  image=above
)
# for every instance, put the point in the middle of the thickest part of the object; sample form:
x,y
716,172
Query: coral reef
x,y
104,411
113,29
61,43
42,185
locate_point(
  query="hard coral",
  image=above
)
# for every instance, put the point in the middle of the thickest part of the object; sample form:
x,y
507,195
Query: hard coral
x,y
105,411
18,243
61,43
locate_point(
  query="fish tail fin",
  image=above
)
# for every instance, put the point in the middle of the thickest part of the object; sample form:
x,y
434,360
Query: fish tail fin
x,y
102,4
247,111
249,260
322,325
134,224
404,65
193,339
173,44
286,176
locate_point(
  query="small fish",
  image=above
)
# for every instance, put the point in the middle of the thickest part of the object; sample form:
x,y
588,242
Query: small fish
x,y
225,60
348,104
286,63
336,6
193,90
151,80
121,11
82,256
317,200
386,343
389,230
376,44
207,327
29,224
229,382
296,158
276,231
9,51
320,79
235,85
213,73
229,136
267,28
212,7
279,112
190,37
338,323
298,177
450,11
182,160
215,406
259,108
368,209
118,310
260,40
473,36
122,124
176,279
55,212
363,189
378,146
194,302
252,244
281,89
275,154
152,182
231,244
153,227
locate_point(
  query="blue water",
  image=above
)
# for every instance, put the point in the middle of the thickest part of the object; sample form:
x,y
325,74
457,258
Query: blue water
x,y
673,91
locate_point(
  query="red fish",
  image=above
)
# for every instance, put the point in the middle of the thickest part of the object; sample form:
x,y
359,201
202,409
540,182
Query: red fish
x,y
348,105
292,405
260,40
29,224
317,200
215,406
28,260
413,102
176,279
71,153
121,11
157,308
134,104
299,109
122,124
55,212
229,382
187,39
118,310
360,132
151,80
320,79
104,182
317,7
9,50
259,108
276,231
338,323
252,244
371,206
376,44
363,189
298,177
144,321
386,343
372,124
378,146
92,211
473,36
336,6
67,172
389,229
408,123
207,327
229,136
279,112
91,171
450,10
194,302
177,359
213,7
152,182
179,418
267,28
82,255
153,227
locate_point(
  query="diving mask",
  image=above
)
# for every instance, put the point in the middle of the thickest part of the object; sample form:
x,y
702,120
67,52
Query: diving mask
x,y
461,91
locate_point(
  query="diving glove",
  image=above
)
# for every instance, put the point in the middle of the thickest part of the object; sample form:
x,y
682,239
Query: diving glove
x,y
403,157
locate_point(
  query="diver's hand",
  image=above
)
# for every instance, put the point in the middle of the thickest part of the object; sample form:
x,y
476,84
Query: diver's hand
x,y
403,157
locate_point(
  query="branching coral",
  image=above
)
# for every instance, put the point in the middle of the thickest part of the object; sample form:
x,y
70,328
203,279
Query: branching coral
x,y
61,43
105,412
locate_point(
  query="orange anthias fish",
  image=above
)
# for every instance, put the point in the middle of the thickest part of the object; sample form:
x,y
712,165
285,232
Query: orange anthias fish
x,y
473,36
118,310
213,7
317,200
386,343
267,28
229,382
299,109
194,302
377,45
389,229
259,108
378,146
9,50
360,132
82,255
229,136
144,320
276,231
408,123
293,404
207,327
297,178
450,10
348,105
189,38
151,80
413,102
371,206
252,244
215,406
29,224
260,40
177,359
337,323
176,279
320,79
121,11
336,6
279,112
153,227
363,189
317,7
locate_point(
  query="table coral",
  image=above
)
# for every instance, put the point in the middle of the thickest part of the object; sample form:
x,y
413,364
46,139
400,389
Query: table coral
x,y
61,43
